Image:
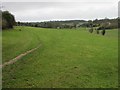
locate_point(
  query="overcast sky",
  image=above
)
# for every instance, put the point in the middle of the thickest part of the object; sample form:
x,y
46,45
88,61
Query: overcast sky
x,y
32,10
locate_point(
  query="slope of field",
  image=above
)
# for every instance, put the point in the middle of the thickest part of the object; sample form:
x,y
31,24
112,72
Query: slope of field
x,y
67,58
15,42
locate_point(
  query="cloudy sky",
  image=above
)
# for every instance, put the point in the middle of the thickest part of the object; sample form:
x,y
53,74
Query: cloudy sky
x,y
34,10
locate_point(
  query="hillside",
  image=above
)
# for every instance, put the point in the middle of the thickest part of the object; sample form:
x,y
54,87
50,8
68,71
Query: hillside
x,y
67,58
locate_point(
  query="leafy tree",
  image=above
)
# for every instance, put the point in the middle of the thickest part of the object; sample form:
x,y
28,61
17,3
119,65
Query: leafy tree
x,y
8,20
90,22
4,23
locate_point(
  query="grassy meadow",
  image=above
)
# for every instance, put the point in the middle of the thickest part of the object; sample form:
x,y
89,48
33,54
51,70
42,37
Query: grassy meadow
x,y
67,58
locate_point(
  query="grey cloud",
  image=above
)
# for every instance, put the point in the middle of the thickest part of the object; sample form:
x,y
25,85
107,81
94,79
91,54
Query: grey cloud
x,y
40,11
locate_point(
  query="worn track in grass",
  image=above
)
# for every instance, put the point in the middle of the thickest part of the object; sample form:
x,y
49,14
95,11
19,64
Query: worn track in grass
x,y
19,56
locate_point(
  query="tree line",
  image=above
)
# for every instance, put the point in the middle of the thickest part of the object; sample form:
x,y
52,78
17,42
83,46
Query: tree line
x,y
100,24
53,24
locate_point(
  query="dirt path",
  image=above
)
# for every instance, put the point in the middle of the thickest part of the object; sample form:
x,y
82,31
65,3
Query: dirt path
x,y
19,57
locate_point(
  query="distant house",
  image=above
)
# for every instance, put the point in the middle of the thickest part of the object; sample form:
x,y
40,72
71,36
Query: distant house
x,y
58,27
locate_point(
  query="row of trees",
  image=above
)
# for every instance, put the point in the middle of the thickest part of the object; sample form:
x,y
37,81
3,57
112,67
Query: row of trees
x,y
101,24
104,23
97,28
53,24
103,31
8,20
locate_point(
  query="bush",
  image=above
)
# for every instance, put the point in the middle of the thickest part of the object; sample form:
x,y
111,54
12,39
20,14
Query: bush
x,y
103,32
97,31
91,30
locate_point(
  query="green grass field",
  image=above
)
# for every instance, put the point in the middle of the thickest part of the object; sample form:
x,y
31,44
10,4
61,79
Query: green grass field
x,y
66,59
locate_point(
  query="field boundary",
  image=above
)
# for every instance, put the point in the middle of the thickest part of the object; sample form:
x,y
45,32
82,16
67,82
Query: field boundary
x,y
19,56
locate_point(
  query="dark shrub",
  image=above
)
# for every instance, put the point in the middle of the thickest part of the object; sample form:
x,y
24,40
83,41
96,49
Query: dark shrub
x,y
97,31
103,32
91,30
